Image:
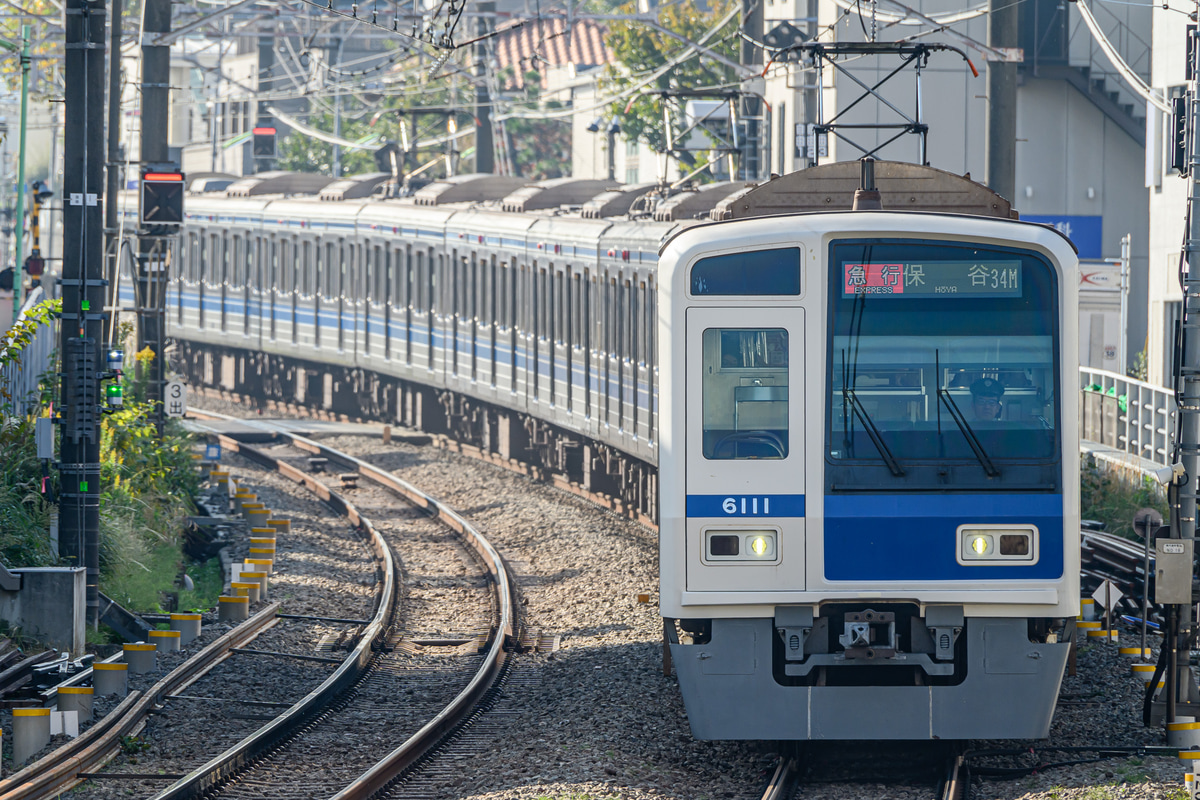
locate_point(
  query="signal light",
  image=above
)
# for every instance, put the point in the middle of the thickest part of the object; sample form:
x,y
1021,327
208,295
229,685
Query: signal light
x,y
264,142
162,198
115,395
35,265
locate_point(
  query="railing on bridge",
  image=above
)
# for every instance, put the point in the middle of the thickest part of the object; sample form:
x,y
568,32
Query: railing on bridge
x,y
1126,414
21,377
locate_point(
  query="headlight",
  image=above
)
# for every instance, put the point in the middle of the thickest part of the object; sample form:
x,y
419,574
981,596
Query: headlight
x,y
997,544
743,546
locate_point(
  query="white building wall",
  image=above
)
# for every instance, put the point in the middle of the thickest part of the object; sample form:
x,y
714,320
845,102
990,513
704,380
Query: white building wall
x,y
1167,197
1072,159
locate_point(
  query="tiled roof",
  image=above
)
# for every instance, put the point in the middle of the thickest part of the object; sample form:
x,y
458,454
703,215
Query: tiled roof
x,y
549,42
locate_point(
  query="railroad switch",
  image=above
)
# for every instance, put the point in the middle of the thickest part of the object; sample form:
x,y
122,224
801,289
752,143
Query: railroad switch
x,y
317,464
349,480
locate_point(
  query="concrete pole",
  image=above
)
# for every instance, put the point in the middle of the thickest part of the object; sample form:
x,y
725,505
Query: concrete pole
x,y
1001,153
151,266
751,106
485,147
83,293
1189,403
115,171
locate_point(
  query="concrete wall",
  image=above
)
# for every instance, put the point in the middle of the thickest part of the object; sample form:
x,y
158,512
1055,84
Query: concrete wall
x,y
51,607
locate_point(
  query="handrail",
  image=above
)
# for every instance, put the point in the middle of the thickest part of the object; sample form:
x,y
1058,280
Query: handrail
x,y
1126,414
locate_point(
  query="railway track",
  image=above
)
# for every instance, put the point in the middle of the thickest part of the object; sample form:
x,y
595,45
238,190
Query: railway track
x,y
1104,556
391,669
62,768
788,780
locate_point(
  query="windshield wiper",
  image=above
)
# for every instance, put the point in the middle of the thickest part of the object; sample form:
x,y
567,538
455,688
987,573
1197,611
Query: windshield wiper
x,y
968,432
851,399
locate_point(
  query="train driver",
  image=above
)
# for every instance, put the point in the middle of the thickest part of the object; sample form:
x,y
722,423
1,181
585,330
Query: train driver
x,y
985,399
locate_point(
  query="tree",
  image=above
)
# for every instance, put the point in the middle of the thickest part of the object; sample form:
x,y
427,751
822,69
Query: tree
x,y
642,50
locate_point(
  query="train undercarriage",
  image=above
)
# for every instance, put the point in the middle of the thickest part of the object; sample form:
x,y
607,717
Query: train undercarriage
x,y
568,459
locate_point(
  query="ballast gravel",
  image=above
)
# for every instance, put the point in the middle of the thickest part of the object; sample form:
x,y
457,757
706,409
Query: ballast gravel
x,y
597,719
322,567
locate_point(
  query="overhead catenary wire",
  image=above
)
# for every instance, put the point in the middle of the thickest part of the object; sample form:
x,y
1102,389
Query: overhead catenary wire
x,y
1135,82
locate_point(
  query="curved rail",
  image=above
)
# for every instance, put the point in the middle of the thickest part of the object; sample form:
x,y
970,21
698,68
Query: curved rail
x,y
58,771
343,677
501,636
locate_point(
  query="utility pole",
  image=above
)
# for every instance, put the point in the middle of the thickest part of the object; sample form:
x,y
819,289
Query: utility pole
x,y
1001,148
116,170
751,106
263,118
83,293
1181,692
485,149
151,283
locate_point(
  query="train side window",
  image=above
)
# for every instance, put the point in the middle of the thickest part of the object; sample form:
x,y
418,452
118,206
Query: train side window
x,y
235,276
745,379
306,269
473,311
761,272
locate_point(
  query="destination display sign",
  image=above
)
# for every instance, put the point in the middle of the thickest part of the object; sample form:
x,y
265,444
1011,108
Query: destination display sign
x,y
965,278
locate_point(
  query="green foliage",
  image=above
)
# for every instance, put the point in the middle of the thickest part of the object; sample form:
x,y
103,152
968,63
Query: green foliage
x,y
642,50
132,745
541,148
301,153
209,580
1140,368
147,486
14,341
24,513
1105,497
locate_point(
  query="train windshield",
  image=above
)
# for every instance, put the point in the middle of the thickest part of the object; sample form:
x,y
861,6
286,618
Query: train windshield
x,y
941,354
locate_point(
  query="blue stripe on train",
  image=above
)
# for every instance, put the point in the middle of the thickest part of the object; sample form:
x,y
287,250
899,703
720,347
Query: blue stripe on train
x,y
896,537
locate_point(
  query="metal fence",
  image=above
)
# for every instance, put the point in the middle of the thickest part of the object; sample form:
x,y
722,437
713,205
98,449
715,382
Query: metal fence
x,y
20,379
1125,414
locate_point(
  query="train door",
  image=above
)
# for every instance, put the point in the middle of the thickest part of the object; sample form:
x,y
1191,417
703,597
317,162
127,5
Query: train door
x,y
271,288
584,324
494,303
473,316
510,321
744,448
317,265
250,293
221,249
343,254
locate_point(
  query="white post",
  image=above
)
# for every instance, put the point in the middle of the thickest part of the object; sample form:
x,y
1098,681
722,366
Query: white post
x,y
1123,339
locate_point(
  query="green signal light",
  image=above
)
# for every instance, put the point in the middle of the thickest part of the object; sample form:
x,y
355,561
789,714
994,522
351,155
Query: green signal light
x,y
86,306
83,486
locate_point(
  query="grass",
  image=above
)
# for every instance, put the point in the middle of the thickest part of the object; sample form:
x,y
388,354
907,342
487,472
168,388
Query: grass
x,y
208,580
139,580
1107,498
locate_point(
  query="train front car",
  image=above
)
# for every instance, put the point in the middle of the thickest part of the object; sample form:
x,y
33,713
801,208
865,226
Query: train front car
x,y
869,520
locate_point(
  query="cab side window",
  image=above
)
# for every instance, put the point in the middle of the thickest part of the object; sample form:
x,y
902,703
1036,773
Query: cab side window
x,y
745,393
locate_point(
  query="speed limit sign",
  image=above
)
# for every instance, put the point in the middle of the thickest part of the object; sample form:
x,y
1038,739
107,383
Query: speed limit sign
x,y
175,398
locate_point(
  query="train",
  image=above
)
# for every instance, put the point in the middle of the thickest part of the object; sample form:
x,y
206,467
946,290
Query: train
x,y
837,392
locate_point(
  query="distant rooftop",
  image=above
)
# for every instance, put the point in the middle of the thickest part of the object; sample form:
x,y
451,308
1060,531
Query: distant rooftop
x,y
549,42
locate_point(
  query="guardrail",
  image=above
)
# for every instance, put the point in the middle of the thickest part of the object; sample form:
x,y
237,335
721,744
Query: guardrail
x,y
1126,414
21,377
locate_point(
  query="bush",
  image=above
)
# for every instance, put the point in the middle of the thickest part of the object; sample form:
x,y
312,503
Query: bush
x,y
1105,497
